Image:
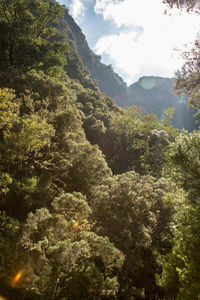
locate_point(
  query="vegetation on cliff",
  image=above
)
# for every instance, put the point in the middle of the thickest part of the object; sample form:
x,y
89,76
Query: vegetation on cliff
x,y
95,202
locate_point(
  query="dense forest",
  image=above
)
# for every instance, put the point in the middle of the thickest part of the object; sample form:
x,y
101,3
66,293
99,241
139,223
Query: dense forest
x,y
96,202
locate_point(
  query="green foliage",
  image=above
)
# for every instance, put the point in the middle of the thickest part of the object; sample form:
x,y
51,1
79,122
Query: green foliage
x,y
9,252
156,95
137,143
76,70
180,277
64,252
62,213
26,29
98,113
135,212
182,265
183,161
20,137
168,116
187,79
5,180
46,142
81,59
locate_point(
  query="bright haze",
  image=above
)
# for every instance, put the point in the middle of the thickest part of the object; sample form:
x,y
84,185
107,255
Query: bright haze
x,y
138,37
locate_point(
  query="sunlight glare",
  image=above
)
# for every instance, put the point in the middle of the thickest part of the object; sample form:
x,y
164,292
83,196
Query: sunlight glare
x,y
147,83
17,277
75,225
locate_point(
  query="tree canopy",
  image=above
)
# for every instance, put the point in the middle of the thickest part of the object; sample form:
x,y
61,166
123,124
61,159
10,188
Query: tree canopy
x,y
26,29
96,202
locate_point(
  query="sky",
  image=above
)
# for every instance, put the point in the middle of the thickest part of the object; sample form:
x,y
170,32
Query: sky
x,y
138,37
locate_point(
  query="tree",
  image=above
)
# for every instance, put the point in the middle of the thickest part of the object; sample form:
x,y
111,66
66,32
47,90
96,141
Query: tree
x,y
136,142
135,212
18,136
187,80
10,253
181,268
183,162
188,4
65,162
26,29
66,259
180,277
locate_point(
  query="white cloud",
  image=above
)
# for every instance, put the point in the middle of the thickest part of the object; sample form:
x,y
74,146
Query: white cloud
x,y
136,59
129,12
77,9
150,52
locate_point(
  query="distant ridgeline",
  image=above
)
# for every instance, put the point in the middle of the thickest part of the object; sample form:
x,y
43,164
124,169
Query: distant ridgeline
x,y
151,94
154,95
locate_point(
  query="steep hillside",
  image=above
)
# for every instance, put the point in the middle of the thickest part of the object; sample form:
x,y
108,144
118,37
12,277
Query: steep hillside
x,y
85,210
155,95
109,82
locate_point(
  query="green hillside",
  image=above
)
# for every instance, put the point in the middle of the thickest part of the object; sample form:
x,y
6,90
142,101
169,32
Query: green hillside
x,y
155,99
96,202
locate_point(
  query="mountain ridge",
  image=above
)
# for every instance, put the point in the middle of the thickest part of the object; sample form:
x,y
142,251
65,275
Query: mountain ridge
x,y
153,99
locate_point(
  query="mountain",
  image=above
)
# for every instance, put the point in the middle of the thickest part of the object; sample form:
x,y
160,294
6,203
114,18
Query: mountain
x,y
151,94
84,210
155,95
109,82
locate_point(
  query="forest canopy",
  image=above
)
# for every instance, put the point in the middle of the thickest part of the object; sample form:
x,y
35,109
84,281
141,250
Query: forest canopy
x,y
95,202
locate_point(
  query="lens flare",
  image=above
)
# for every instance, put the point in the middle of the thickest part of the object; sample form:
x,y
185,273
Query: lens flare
x,y
17,278
75,225
147,82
